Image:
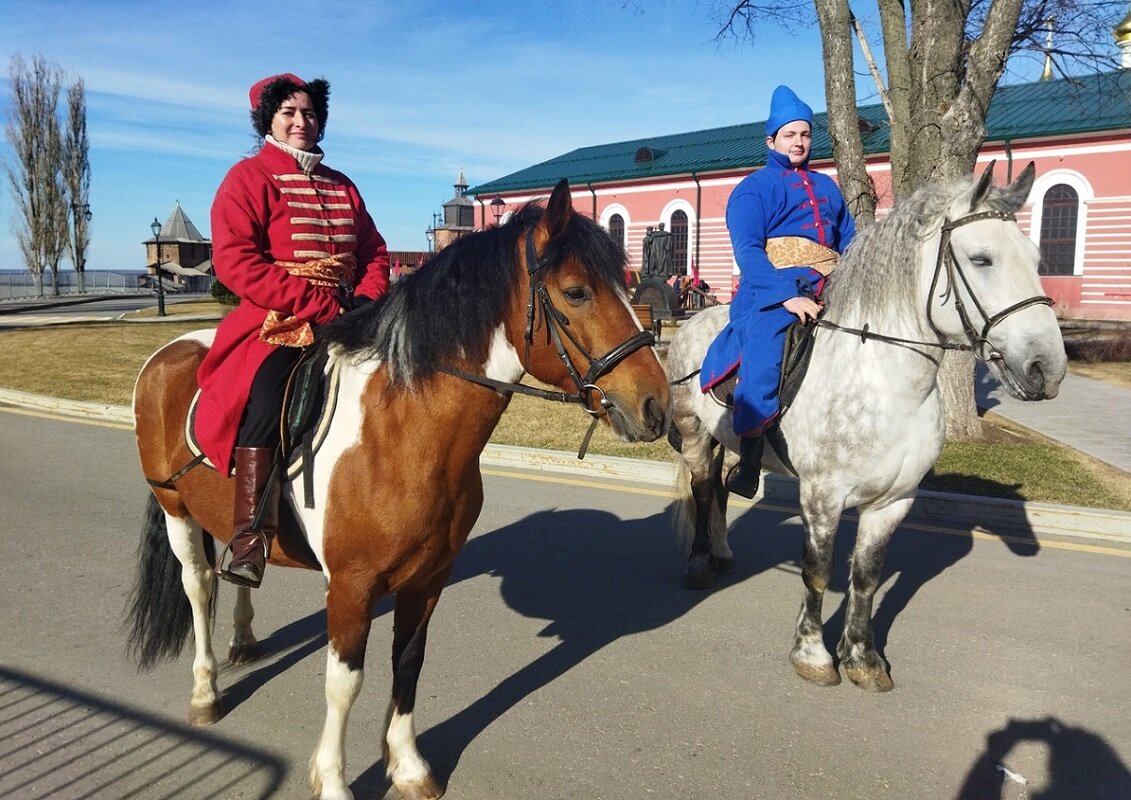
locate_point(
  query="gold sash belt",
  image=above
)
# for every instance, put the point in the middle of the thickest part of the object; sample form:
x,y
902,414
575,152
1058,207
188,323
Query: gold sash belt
x,y
291,331
797,251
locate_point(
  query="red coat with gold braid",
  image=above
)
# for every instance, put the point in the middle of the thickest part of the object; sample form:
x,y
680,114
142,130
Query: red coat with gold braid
x,y
269,210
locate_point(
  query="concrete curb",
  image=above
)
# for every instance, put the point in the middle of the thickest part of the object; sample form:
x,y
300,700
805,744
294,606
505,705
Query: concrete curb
x,y
999,515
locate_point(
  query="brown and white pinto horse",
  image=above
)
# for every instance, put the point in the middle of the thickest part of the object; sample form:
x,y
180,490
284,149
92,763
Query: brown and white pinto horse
x,y
426,373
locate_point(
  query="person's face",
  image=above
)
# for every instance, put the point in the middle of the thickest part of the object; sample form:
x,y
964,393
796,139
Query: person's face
x,y
295,123
794,140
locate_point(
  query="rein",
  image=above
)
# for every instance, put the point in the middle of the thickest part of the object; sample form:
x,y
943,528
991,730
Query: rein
x,y
978,342
557,324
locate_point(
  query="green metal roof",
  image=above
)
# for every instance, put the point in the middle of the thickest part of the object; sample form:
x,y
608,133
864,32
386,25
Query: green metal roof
x,y
1088,104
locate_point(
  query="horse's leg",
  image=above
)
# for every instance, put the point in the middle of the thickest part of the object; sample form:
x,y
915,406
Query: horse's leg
x,y
348,604
707,501
811,660
404,765
710,552
186,539
243,648
863,665
722,557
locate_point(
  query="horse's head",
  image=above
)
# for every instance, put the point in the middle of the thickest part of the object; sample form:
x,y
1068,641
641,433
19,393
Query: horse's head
x,y
579,332
984,289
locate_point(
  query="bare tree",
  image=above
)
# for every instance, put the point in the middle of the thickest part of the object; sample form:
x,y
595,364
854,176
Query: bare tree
x,y
76,174
36,174
942,63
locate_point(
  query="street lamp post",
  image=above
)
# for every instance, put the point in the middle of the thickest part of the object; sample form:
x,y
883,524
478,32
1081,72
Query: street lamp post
x,y
497,206
155,226
81,211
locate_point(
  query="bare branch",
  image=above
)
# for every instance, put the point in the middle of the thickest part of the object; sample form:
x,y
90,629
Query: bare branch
x,y
870,60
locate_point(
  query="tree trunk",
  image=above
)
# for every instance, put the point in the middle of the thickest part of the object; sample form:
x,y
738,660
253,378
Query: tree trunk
x,y
835,21
897,56
956,385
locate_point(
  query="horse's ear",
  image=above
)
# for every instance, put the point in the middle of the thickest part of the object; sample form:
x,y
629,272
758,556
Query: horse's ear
x,y
558,210
983,187
1018,191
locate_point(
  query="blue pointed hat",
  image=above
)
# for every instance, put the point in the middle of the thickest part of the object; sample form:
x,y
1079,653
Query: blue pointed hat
x,y
785,107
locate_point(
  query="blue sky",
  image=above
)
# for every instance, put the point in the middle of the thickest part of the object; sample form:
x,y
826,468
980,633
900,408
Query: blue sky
x,y
420,90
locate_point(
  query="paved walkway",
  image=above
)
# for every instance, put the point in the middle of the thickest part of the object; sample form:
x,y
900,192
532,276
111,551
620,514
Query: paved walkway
x,y
1089,416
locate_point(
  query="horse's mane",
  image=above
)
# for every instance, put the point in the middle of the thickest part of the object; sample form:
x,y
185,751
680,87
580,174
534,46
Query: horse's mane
x,y
450,307
880,270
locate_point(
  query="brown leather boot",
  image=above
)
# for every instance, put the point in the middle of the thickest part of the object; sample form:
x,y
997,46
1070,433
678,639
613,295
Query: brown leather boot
x,y
743,478
250,548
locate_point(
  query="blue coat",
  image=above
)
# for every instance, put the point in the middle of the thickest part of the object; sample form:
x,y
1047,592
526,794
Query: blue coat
x,y
777,200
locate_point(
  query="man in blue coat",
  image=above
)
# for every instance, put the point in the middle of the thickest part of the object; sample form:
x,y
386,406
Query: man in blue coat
x,y
787,226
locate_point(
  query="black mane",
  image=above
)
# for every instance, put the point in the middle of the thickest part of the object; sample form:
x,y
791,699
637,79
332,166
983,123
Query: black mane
x,y
452,304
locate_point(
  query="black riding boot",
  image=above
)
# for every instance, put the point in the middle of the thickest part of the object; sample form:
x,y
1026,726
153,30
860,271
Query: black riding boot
x,y
743,478
250,548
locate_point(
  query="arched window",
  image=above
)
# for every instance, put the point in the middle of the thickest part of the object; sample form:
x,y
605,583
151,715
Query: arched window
x,y
679,241
616,228
1058,230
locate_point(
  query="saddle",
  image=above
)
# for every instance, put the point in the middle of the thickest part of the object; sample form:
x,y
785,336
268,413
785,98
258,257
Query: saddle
x,y
795,363
308,407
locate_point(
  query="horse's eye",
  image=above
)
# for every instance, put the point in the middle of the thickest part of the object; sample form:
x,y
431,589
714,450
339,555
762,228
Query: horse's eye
x,y
576,295
981,260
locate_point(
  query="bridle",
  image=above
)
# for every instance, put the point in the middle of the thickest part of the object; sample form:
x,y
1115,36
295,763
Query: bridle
x,y
978,341
557,327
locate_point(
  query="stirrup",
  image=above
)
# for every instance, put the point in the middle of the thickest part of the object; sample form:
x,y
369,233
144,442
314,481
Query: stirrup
x,y
249,574
743,480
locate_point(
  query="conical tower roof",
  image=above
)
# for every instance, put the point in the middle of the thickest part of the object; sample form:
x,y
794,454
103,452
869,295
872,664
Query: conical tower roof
x,y
179,228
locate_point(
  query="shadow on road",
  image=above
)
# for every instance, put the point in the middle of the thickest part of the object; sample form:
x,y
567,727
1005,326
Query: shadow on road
x,y
595,579
909,566
1079,764
59,742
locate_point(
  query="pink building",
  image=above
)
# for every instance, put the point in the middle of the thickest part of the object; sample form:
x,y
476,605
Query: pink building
x,y
1077,130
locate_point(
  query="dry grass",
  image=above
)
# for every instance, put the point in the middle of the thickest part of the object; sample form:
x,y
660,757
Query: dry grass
x,y
98,362
1103,357
1117,373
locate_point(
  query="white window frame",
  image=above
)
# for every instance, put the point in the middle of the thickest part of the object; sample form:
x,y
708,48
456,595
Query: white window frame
x,y
1084,194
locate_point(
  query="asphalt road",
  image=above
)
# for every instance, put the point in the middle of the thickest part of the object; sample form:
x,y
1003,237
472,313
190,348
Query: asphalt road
x,y
564,660
55,311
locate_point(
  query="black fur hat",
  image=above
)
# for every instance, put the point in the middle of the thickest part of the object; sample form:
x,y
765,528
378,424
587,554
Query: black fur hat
x,y
270,93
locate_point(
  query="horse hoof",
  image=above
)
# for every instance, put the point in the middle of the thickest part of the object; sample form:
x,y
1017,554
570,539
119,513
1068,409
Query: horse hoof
x,y
823,675
722,565
698,573
239,654
872,680
206,715
426,789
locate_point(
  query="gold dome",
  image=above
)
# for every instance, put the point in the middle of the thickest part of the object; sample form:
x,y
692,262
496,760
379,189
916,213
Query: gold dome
x,y
1123,30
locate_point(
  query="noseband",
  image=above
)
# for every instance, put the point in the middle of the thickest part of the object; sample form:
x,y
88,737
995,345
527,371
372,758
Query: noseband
x,y
979,342
557,326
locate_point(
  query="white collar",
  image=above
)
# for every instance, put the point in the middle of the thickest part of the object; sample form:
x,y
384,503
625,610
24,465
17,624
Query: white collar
x,y
307,159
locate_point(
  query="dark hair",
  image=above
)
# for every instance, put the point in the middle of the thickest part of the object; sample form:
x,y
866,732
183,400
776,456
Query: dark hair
x,y
274,94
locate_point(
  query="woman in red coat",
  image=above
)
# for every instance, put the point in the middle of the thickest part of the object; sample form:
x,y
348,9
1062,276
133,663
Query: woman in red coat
x,y
293,240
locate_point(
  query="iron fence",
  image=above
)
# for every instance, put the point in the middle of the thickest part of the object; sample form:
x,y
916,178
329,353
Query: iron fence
x,y
17,285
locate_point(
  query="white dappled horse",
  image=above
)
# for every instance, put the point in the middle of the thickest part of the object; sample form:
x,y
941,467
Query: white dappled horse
x,y
948,269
